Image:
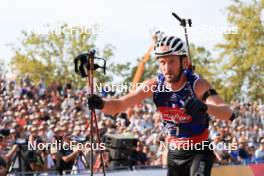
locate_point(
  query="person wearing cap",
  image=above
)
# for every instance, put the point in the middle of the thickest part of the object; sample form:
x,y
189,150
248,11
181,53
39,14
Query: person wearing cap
x,y
251,148
57,134
13,134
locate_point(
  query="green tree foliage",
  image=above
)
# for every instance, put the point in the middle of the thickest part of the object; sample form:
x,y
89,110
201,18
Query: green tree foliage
x,y
50,55
242,54
122,70
204,64
208,68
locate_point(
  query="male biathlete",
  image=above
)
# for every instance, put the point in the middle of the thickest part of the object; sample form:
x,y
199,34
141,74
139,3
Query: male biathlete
x,y
184,100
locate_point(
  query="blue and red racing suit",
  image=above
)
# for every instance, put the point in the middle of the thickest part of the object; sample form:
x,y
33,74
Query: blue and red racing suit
x,y
182,128
176,123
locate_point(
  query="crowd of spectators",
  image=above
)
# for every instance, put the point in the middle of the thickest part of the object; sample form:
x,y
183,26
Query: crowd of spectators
x,y
39,113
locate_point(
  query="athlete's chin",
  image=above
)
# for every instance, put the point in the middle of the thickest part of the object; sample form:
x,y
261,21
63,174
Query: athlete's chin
x,y
170,79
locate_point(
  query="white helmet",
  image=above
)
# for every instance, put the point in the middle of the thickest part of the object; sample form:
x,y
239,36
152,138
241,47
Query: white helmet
x,y
170,45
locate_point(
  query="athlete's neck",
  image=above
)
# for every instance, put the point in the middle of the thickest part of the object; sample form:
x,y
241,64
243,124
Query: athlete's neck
x,y
177,85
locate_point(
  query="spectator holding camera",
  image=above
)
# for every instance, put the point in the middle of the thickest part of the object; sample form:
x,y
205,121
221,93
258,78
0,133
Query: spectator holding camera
x,y
35,160
65,155
6,154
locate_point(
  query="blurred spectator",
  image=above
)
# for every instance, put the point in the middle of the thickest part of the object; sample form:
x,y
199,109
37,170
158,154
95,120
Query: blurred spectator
x,y
41,87
138,155
243,154
49,112
5,152
259,154
220,152
65,156
35,160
